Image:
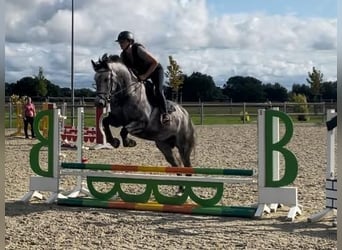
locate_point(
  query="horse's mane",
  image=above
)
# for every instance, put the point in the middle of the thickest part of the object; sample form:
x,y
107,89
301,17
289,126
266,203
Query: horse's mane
x,y
114,62
102,63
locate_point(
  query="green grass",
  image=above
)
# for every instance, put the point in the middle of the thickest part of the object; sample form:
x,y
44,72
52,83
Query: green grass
x,y
215,120
212,115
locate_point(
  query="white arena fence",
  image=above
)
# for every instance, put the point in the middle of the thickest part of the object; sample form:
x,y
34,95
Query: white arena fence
x,y
241,112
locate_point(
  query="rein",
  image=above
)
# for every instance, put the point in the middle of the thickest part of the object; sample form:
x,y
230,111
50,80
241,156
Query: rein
x,y
115,92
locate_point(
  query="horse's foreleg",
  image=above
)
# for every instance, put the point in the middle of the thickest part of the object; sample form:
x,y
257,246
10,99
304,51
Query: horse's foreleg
x,y
115,142
127,142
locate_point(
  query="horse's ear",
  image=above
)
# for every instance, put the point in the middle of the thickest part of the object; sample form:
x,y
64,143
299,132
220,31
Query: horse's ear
x,y
105,57
94,64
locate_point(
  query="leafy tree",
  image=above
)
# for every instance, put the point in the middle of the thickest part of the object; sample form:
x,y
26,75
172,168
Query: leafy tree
x,y
303,89
301,107
175,76
199,86
41,86
244,89
275,92
329,90
219,96
26,86
53,90
66,91
315,80
84,93
9,89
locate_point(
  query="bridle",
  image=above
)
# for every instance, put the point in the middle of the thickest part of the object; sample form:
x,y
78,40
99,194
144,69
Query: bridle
x,y
106,95
119,91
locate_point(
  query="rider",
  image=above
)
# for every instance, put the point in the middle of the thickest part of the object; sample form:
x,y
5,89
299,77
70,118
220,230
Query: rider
x,y
145,66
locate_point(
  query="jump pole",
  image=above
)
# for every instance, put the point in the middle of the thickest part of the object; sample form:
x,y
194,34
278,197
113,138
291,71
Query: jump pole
x,y
157,169
229,211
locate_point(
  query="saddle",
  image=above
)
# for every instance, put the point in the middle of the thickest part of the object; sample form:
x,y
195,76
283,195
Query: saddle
x,y
153,99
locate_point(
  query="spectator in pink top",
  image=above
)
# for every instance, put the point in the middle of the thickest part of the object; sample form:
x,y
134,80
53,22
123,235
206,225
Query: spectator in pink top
x,y
29,114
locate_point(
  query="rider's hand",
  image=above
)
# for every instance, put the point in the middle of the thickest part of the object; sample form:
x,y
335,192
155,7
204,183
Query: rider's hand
x,y
142,77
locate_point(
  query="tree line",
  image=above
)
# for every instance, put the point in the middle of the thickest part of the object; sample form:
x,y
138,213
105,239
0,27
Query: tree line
x,y
197,87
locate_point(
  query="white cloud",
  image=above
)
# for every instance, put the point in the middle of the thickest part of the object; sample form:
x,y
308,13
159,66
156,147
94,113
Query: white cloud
x,y
272,48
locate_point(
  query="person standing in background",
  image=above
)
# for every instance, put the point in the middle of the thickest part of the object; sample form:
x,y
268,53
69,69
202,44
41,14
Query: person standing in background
x,y
29,114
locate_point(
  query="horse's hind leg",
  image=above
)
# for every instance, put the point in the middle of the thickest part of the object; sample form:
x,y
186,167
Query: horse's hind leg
x,y
166,149
185,149
186,144
115,142
127,142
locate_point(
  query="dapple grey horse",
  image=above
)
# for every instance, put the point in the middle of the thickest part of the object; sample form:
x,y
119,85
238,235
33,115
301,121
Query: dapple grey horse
x,y
131,109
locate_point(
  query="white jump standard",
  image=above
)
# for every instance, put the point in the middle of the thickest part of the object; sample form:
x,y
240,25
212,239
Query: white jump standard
x,y
331,180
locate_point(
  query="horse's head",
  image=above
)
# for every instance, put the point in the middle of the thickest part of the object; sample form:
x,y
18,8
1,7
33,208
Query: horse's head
x,y
105,79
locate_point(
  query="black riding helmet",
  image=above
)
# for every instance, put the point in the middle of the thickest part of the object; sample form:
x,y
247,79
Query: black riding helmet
x,y
125,35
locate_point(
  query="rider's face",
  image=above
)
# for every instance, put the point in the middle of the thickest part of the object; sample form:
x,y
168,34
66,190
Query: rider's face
x,y
123,44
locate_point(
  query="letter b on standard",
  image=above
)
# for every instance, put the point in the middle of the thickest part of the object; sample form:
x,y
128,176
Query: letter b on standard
x,y
290,161
43,142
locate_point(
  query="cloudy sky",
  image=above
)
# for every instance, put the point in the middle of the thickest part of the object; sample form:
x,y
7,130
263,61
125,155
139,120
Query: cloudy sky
x,y
272,40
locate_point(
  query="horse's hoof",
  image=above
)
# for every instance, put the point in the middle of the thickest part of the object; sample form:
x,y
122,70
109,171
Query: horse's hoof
x,y
129,143
114,142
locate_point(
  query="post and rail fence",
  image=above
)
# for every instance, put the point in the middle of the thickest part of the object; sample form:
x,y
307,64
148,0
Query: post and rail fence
x,y
201,112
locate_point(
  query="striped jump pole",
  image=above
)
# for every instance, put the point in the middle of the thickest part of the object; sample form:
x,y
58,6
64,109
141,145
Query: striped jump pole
x,y
157,169
228,211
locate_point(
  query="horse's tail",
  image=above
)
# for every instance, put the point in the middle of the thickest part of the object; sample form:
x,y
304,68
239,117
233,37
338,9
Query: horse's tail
x,y
186,137
192,138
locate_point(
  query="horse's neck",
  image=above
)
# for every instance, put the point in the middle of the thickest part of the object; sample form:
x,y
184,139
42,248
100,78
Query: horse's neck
x,y
131,86
132,82
136,91
126,74
134,78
